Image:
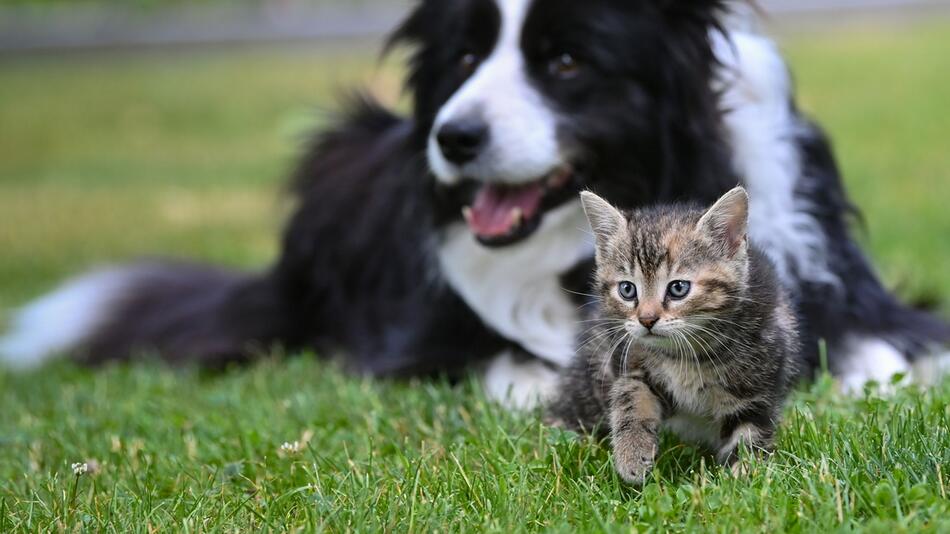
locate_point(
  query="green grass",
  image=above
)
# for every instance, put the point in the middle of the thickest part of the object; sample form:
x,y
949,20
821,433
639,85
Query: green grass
x,y
105,158
180,451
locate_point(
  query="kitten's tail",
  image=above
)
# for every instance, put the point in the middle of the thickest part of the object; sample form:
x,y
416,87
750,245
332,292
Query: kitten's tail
x,y
183,312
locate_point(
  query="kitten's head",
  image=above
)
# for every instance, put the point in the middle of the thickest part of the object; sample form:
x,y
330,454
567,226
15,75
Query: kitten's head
x,y
669,273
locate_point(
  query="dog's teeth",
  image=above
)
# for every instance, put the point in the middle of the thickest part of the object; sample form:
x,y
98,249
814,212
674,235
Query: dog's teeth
x,y
467,213
517,217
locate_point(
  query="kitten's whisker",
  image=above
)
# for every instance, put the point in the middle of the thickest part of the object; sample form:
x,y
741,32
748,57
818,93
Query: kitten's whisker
x,y
626,353
695,357
711,355
723,345
602,332
607,338
566,290
716,319
610,354
717,368
714,333
699,365
679,346
745,299
601,320
605,364
601,327
587,304
691,355
595,324
719,337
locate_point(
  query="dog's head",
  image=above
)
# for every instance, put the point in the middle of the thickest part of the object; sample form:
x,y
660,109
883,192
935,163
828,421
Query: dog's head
x,y
522,103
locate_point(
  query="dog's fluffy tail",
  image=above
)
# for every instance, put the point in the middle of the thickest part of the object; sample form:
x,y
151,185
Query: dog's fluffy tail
x,y
182,312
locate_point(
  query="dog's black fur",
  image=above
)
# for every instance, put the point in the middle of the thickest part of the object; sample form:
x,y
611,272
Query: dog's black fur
x,y
358,270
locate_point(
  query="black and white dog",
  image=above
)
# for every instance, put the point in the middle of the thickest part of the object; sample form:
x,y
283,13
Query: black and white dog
x,y
426,243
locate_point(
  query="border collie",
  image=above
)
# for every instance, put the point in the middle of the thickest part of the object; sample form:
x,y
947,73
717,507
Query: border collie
x,y
423,244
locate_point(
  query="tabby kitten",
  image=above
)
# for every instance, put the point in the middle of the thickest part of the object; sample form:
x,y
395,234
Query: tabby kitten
x,y
692,331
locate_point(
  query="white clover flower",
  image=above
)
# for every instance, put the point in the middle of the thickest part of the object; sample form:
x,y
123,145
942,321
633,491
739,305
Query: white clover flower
x,y
290,448
80,469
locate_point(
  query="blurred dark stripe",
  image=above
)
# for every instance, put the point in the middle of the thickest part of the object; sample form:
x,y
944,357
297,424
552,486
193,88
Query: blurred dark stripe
x,y
60,27
66,26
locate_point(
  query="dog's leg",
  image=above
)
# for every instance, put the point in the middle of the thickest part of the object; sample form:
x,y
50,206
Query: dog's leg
x,y
865,359
930,369
519,382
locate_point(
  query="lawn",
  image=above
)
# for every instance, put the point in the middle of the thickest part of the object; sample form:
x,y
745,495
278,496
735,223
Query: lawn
x,y
107,157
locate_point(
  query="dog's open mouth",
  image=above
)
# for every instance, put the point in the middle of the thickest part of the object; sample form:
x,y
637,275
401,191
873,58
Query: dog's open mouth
x,y
501,214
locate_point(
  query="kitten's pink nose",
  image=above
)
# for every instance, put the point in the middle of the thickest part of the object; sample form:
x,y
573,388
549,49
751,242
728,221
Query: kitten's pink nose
x,y
649,321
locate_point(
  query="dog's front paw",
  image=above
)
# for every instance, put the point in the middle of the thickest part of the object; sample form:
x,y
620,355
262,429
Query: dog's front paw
x,y
634,459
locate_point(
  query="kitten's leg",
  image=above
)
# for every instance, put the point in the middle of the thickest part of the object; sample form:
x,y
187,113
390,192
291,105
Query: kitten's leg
x,y
582,398
755,434
635,415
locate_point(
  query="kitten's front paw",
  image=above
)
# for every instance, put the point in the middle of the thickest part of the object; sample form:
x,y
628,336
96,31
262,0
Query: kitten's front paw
x,y
552,421
634,461
740,468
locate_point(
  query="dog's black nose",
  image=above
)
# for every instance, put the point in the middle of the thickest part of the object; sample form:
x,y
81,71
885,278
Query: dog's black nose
x,y
462,140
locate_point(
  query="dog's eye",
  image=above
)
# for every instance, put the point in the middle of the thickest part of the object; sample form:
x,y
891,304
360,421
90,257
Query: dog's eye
x,y
679,289
564,66
627,290
468,62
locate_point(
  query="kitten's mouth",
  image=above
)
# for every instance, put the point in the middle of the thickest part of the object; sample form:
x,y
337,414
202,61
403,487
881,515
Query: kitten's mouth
x,y
653,338
503,214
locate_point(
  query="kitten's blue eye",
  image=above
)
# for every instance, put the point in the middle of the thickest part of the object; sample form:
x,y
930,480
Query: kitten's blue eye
x,y
679,289
628,291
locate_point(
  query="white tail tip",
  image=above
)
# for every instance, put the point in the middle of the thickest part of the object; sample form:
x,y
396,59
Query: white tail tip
x,y
63,319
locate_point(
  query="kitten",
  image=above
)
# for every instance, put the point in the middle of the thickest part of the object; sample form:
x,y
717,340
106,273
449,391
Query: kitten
x,y
692,331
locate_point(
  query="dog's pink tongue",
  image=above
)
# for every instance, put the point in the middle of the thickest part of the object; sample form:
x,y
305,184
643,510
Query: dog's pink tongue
x,y
499,210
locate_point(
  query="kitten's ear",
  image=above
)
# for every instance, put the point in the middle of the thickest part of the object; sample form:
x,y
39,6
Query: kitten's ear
x,y
728,220
605,220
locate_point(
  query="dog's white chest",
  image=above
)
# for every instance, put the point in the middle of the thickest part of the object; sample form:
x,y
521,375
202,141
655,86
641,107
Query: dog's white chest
x,y
517,289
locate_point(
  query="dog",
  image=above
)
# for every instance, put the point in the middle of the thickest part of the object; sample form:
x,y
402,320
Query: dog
x,y
454,237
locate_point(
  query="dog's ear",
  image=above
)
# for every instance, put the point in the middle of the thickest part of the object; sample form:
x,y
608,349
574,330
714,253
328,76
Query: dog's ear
x,y
424,33
698,13
698,6
606,221
728,221
413,29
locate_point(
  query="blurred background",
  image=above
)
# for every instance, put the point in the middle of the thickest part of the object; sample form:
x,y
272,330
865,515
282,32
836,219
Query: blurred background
x,y
166,127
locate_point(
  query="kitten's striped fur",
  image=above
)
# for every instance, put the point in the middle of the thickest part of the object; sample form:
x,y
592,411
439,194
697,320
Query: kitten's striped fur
x,y
714,365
